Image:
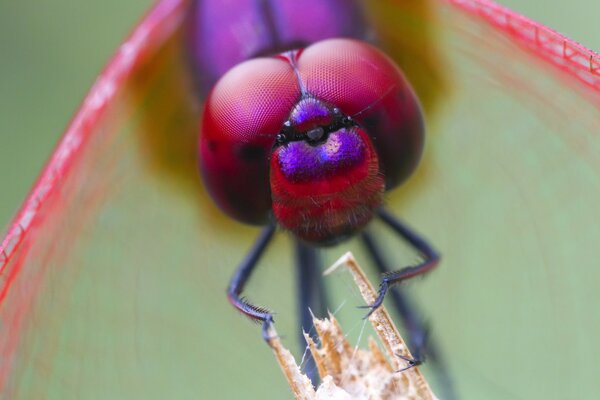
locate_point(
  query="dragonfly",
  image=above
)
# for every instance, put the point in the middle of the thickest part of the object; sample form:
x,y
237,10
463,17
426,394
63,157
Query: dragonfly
x,y
306,128
113,272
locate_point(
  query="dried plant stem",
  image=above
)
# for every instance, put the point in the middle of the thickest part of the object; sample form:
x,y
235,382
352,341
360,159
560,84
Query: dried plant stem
x,y
299,383
350,373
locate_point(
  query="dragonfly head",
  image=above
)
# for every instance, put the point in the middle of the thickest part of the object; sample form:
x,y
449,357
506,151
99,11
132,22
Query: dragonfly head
x,y
325,176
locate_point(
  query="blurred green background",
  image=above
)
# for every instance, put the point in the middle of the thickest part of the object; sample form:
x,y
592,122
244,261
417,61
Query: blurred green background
x,y
51,52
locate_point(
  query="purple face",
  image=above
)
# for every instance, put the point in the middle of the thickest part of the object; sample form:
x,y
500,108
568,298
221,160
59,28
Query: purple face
x,y
302,161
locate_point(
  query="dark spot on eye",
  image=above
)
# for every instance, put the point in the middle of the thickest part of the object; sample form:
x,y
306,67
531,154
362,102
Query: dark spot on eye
x,y
402,95
370,121
212,145
250,153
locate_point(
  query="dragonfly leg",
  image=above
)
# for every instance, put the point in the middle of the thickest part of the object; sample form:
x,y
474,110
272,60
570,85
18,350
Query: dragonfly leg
x,y
311,294
390,278
411,362
419,341
242,276
416,329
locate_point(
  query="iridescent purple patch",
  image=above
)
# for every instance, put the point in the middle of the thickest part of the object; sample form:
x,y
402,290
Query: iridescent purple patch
x,y
301,161
310,110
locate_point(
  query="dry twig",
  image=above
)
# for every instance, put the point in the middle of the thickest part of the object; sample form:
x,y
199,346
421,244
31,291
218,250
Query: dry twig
x,y
348,373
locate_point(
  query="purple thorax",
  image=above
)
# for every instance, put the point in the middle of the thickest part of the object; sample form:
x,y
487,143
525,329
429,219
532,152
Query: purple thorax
x,y
226,32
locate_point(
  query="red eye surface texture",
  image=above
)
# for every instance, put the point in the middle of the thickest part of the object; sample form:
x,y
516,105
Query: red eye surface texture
x,y
243,113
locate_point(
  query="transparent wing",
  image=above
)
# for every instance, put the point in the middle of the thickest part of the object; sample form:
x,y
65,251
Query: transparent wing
x,y
113,273
508,191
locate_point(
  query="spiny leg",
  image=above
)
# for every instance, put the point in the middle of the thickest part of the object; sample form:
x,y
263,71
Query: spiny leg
x,y
420,344
430,259
311,294
242,276
417,332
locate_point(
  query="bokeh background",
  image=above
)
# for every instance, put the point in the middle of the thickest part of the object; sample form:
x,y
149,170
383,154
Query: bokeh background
x,y
51,52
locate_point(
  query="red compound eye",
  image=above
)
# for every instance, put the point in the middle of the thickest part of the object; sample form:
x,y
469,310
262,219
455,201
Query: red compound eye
x,y
365,84
242,116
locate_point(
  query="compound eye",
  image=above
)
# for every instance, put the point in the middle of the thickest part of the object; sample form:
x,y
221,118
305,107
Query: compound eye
x,y
242,117
366,89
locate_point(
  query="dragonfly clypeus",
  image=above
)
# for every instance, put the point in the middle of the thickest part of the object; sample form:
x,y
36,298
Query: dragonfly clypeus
x,y
113,272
